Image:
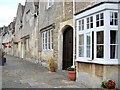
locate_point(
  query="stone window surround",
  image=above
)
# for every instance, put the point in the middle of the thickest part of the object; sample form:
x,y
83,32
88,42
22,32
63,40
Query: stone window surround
x,y
46,30
96,10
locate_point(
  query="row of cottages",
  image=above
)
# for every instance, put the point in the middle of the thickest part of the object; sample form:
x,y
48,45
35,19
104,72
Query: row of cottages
x,y
83,34
6,38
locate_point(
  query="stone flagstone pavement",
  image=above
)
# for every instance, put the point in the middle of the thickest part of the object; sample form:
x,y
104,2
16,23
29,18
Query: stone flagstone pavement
x,y
19,73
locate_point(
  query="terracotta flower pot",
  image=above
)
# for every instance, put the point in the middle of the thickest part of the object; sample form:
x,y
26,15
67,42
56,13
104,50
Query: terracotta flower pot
x,y
52,69
72,75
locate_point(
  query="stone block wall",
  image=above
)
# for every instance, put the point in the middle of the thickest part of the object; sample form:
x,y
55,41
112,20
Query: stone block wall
x,y
93,74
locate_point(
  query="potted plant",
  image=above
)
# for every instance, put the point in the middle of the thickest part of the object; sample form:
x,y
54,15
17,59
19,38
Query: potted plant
x,y
108,84
72,73
52,65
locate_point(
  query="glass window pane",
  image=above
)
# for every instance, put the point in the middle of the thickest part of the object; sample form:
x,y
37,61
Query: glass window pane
x,y
79,28
97,17
87,26
87,20
101,16
83,27
97,24
100,51
82,21
116,15
88,51
101,22
100,37
113,51
111,21
79,22
91,25
81,39
88,38
116,22
81,51
91,19
113,37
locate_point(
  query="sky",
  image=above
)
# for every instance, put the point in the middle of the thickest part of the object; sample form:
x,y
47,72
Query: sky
x,y
8,10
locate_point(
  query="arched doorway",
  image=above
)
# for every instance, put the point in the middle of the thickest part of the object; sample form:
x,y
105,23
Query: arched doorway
x,y
67,48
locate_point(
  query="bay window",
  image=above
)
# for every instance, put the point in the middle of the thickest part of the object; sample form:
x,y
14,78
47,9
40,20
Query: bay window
x,y
96,41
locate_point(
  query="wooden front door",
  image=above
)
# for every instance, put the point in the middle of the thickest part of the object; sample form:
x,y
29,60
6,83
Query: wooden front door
x,y
67,48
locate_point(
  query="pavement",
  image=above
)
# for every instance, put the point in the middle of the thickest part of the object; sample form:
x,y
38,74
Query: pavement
x,y
19,73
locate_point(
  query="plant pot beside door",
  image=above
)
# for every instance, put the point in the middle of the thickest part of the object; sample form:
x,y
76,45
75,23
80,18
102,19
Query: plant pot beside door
x,y
71,73
52,65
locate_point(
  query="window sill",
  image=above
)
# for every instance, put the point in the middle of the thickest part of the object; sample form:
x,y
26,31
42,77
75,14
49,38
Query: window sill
x,y
100,61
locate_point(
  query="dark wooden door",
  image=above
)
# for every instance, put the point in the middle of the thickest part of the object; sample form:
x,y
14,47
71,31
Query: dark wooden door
x,y
67,48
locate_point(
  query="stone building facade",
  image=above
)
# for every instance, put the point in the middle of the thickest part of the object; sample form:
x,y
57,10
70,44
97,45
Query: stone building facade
x,y
55,21
59,30
96,32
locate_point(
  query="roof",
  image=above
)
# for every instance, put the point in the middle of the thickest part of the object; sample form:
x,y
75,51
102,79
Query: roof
x,y
95,6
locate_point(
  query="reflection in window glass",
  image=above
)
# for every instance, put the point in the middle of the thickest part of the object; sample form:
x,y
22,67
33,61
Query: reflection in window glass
x,y
100,44
81,45
113,44
100,20
88,45
113,18
81,24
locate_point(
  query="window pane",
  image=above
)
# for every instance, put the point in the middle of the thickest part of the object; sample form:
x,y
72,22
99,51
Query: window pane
x,y
81,39
97,24
87,20
100,51
51,39
81,51
87,26
79,28
101,22
113,37
116,15
116,22
91,25
101,16
91,19
88,44
88,38
82,21
100,37
81,45
113,51
88,51
97,17
79,22
111,21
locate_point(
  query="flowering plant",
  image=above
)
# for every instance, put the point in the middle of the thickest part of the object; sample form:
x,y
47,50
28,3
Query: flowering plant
x,y
108,84
72,68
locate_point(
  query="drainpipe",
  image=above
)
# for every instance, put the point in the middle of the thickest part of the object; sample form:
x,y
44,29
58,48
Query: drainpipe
x,y
38,31
74,33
